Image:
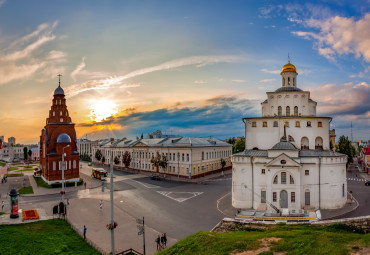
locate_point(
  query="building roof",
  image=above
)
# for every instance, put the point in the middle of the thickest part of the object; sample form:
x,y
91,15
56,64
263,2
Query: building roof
x,y
288,89
319,153
63,138
284,146
289,68
58,91
252,153
366,151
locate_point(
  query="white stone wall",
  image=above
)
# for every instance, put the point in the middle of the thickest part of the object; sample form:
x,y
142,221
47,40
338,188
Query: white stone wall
x,y
265,138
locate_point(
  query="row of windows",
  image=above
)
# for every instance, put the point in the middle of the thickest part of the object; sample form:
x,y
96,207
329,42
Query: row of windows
x,y
292,197
287,111
297,124
67,165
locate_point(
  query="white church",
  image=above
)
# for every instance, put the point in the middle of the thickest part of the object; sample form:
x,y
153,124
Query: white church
x,y
287,162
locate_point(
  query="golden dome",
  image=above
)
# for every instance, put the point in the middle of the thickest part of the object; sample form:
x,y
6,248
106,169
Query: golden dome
x,y
289,68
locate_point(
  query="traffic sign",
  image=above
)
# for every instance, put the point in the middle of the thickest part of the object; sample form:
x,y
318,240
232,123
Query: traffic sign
x,y
139,221
141,228
140,233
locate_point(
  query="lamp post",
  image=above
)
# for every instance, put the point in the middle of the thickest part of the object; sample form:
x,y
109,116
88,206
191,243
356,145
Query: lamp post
x,y
63,172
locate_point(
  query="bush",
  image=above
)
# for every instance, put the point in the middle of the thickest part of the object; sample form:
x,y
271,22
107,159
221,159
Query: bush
x,y
13,175
67,184
26,190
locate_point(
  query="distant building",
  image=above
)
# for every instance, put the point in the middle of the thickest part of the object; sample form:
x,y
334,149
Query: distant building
x,y
85,147
35,153
58,137
158,134
11,141
365,159
187,157
9,152
287,162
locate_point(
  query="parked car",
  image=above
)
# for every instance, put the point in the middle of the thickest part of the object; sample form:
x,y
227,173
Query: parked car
x,y
367,183
155,177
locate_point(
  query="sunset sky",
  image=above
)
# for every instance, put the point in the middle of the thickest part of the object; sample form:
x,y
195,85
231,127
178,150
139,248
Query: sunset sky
x,y
192,68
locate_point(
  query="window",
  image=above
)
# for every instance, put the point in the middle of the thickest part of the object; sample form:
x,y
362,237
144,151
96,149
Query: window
x,y
202,155
273,196
183,158
53,113
306,172
283,177
295,110
291,180
173,157
207,155
279,111
263,196
263,171
254,124
276,179
74,164
343,190
307,198
60,165
319,124
287,111
292,197
60,114
70,164
276,124
187,157
264,124
297,124
54,166
308,123
287,123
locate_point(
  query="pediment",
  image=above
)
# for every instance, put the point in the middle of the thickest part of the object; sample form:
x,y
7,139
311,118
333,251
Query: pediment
x,y
140,144
283,160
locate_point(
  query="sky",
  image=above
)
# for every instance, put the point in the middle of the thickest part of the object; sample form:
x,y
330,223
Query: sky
x,y
190,68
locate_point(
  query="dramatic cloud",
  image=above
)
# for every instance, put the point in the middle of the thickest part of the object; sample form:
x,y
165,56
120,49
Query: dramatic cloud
x,y
78,69
340,35
20,60
220,116
198,61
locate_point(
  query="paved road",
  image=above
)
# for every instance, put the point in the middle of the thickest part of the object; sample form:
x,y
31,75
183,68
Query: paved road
x,y
360,191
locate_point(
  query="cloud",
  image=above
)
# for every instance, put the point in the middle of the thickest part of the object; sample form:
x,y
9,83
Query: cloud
x,y
271,71
78,69
267,80
200,82
346,99
339,35
206,118
361,74
24,57
238,81
110,82
2,2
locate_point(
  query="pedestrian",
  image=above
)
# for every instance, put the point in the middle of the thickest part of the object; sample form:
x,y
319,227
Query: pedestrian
x,y
165,240
67,201
2,206
158,241
162,241
85,232
356,177
85,184
101,204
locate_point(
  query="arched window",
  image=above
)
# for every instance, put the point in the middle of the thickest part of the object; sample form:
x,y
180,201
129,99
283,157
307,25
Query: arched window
x,y
318,143
307,197
60,114
288,80
264,124
54,165
254,124
287,111
276,179
297,124
53,113
308,123
74,164
304,143
283,177
295,110
279,111
319,124
276,124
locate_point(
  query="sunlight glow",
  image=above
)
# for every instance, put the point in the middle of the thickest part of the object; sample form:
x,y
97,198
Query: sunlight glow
x,y
102,109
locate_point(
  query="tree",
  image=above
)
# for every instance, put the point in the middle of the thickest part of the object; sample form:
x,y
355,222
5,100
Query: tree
x,y
25,151
163,162
98,155
116,160
239,145
345,147
103,160
142,136
126,159
223,163
359,149
156,161
29,154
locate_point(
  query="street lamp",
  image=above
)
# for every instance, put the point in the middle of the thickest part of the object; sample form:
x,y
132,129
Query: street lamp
x,y
63,172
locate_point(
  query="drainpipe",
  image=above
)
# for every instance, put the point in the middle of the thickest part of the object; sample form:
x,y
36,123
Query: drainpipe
x,y
319,182
252,158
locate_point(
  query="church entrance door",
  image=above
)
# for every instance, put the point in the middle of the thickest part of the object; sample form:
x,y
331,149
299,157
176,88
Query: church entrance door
x,y
284,199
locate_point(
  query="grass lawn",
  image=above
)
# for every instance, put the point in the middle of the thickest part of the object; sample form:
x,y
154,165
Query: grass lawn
x,y
289,239
2,163
13,175
40,182
26,190
1,213
13,168
43,237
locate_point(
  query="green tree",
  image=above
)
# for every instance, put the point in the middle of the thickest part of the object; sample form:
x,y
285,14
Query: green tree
x,y
29,154
142,136
126,159
223,163
239,145
25,151
359,149
163,162
156,161
345,147
98,155
116,160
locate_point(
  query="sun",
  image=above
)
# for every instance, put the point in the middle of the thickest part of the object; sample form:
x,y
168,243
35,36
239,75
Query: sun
x,y
102,109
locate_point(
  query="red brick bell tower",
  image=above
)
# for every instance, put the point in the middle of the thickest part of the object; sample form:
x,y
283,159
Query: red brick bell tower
x,y
58,137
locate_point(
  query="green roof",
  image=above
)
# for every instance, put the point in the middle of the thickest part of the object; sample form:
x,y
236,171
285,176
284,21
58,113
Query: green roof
x,y
284,146
287,89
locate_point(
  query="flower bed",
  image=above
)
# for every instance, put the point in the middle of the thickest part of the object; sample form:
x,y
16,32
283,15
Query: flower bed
x,y
30,214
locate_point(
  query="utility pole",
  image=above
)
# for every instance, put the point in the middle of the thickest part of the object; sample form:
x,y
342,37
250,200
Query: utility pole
x,y
111,206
